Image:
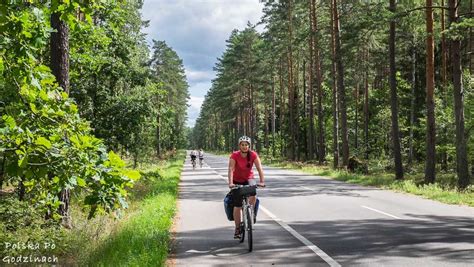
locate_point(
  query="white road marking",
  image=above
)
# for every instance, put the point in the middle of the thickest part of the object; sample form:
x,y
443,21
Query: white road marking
x,y
298,236
197,251
381,212
301,238
307,188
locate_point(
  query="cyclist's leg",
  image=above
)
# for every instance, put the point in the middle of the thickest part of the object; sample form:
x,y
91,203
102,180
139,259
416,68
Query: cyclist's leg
x,y
252,200
237,201
237,218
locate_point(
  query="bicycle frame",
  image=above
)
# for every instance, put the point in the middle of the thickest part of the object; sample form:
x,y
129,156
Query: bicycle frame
x,y
246,224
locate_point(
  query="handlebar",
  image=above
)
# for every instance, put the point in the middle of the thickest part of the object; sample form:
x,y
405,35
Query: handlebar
x,y
238,186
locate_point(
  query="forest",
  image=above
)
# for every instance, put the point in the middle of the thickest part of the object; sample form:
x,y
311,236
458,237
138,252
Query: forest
x,y
93,116
83,100
358,85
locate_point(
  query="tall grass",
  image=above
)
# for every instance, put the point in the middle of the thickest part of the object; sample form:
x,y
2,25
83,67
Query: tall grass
x,y
141,237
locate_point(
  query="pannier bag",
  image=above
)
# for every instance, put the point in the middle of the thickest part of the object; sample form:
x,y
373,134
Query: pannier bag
x,y
229,206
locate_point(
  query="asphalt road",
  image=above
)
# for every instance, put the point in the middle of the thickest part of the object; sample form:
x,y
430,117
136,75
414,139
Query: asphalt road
x,y
306,220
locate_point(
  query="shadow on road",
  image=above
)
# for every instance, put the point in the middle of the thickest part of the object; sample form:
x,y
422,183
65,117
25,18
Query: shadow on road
x,y
351,241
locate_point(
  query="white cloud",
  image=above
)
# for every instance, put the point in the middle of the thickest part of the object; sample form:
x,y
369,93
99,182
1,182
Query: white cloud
x,y
199,89
197,30
196,76
194,109
196,102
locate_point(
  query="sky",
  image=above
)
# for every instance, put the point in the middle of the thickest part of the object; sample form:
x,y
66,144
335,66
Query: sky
x,y
197,30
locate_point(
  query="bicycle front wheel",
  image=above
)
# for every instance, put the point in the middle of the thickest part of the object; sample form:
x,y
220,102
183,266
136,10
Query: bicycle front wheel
x,y
249,227
242,232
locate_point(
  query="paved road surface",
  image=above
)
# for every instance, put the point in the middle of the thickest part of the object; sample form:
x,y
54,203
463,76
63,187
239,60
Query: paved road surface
x,y
307,220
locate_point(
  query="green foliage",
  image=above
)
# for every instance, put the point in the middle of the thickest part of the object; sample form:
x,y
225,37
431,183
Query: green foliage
x,y
457,31
143,237
21,223
112,75
51,141
259,68
45,145
170,96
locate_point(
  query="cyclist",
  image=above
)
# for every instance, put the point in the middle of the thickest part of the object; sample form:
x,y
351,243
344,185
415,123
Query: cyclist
x,y
193,156
201,156
240,172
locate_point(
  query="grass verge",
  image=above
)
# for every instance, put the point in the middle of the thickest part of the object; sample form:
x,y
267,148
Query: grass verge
x,y
142,236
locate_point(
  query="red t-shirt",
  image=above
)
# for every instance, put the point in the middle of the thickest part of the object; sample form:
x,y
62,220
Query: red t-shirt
x,y
241,172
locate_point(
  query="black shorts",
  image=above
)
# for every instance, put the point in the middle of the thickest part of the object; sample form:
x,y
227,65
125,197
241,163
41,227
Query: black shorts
x,y
193,157
237,197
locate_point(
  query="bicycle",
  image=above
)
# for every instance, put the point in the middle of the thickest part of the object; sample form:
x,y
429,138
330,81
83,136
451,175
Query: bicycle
x,y
247,211
193,161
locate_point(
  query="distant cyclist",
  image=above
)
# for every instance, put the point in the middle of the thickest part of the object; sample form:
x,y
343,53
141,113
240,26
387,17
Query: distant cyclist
x,y
193,155
240,172
201,156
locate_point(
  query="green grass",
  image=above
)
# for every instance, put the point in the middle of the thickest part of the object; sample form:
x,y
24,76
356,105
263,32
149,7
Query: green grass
x,y
444,190
142,236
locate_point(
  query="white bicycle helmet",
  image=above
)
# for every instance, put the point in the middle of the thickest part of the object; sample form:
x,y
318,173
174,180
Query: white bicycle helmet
x,y
245,139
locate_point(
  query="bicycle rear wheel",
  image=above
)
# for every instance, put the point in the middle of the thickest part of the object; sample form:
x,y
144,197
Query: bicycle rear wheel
x,y
249,227
242,232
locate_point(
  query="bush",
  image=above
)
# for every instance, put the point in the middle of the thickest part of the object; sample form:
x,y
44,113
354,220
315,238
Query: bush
x,y
25,232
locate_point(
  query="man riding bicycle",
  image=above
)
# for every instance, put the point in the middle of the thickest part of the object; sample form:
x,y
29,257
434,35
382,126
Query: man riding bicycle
x,y
193,155
240,172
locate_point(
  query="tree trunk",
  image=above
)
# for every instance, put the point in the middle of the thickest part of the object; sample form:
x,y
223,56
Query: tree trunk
x,y
319,80
335,102
21,190
444,137
341,87
273,115
458,90
412,104
471,49
2,170
158,134
291,88
266,124
305,113
282,108
59,45
311,72
252,113
366,110
430,171
393,99
256,126
64,208
443,48
296,103
356,122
